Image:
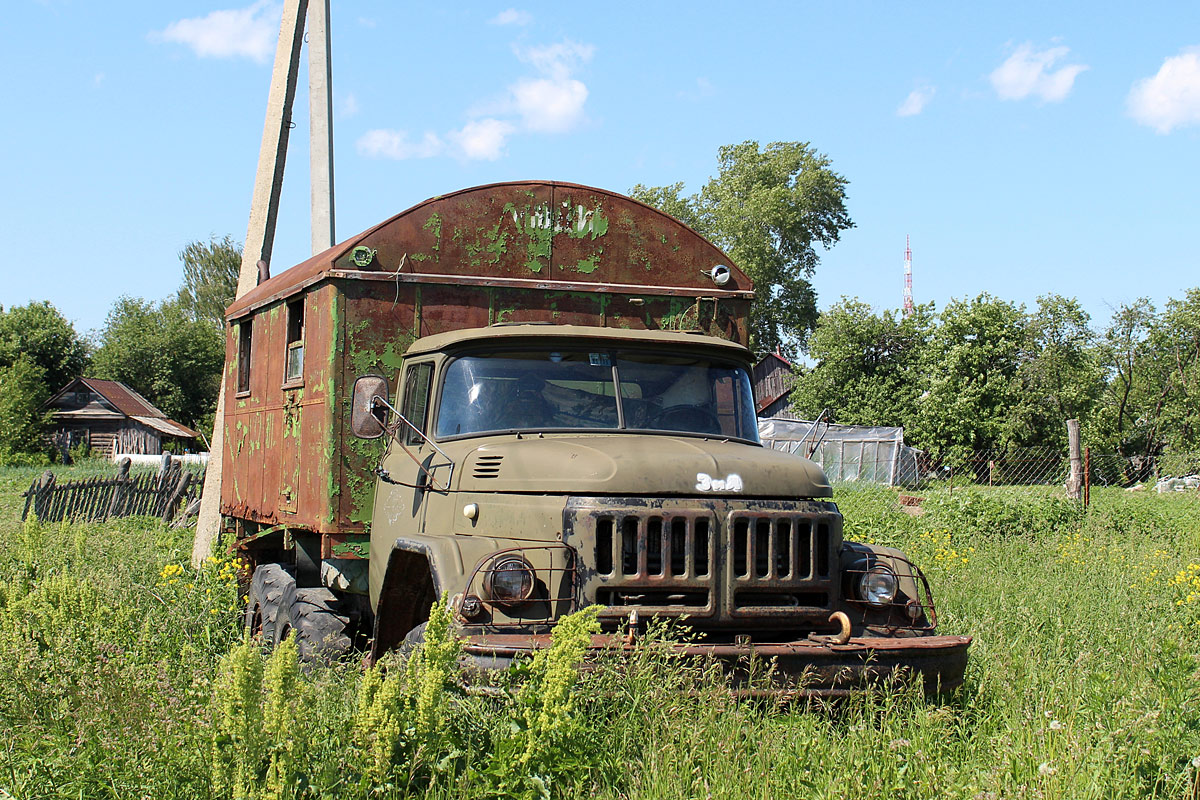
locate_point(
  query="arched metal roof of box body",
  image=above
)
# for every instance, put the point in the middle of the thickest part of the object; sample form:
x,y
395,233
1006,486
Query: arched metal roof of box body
x,y
527,234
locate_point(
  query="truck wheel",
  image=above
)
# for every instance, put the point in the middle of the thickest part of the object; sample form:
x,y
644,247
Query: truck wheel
x,y
414,639
262,605
322,628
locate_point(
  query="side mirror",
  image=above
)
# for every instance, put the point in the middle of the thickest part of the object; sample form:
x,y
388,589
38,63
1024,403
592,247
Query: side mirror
x,y
366,420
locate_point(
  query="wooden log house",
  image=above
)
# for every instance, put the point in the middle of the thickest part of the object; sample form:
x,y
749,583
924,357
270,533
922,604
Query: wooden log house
x,y
110,418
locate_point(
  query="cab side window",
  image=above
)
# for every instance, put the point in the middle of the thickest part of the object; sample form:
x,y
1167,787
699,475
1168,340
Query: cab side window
x,y
416,400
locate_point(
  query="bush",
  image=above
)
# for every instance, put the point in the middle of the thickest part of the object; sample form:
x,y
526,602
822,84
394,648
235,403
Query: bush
x,y
23,424
991,512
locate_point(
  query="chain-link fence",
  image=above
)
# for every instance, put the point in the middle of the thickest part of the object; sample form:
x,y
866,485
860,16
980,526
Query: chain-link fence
x,y
1021,489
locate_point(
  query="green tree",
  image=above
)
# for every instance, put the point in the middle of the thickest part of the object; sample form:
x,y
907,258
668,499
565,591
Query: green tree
x,y
210,277
971,363
1059,377
1175,338
23,422
768,208
39,331
868,365
1126,356
1152,398
173,361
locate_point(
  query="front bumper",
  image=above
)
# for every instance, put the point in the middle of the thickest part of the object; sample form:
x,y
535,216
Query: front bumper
x,y
802,668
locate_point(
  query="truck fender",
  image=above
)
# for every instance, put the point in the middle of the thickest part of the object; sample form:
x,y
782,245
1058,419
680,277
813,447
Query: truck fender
x,y
418,571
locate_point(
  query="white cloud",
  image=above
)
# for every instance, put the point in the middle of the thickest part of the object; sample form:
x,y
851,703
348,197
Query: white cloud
x,y
1170,99
1028,72
380,143
916,101
511,16
552,102
249,32
98,79
556,60
349,105
481,139
550,106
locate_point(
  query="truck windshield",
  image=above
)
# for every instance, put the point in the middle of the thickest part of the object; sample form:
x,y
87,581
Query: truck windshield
x,y
577,390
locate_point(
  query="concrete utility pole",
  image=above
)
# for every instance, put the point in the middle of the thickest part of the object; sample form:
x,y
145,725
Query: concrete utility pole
x,y
320,114
260,235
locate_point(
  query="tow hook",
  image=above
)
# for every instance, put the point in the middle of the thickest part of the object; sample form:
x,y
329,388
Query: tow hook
x,y
842,636
631,633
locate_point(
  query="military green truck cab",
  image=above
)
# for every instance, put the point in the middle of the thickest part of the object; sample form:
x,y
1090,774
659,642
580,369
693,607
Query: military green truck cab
x,y
535,470
533,397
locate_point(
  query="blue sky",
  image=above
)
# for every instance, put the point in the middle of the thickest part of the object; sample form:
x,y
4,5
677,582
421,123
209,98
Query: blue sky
x,y
1027,148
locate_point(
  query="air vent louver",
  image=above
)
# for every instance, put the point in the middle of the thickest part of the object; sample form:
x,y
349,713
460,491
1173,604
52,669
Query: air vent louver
x,y
487,466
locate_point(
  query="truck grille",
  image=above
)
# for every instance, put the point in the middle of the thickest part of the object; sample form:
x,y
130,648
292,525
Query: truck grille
x,y
715,559
654,559
779,562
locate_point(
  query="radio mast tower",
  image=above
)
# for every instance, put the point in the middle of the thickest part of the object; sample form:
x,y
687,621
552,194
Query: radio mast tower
x,y
908,301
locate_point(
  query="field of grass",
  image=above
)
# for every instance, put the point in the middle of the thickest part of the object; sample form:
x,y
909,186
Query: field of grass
x,y
123,674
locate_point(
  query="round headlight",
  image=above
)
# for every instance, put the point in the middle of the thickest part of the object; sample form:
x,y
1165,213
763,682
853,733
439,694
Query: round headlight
x,y
510,581
878,586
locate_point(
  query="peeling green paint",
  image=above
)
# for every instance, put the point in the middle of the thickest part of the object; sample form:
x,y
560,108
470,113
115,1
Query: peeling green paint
x,y
588,265
353,546
534,223
434,226
360,481
332,421
599,225
369,349
539,247
496,243
392,357
578,222
237,448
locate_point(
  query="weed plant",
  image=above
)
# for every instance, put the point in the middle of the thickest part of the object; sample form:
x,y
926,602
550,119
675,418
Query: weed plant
x,y
125,673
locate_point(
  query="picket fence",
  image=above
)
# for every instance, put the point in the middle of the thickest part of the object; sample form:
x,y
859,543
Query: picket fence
x,y
172,493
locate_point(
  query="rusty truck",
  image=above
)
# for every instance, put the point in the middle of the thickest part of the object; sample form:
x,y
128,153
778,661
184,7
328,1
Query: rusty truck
x,y
532,397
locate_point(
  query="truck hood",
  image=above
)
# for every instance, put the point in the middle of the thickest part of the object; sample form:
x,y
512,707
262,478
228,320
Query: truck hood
x,y
630,465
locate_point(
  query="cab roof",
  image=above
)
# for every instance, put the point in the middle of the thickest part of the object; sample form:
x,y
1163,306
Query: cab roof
x,y
526,333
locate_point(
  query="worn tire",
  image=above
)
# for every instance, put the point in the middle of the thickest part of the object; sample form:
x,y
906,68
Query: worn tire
x,y
267,588
321,625
414,639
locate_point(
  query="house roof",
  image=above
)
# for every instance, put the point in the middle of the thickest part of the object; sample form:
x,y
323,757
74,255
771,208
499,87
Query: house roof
x,y
127,403
126,400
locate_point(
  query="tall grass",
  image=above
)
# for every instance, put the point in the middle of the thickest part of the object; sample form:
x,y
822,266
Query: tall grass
x,y
124,673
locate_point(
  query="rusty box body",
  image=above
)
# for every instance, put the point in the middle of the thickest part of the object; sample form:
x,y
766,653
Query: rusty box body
x,y
517,252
